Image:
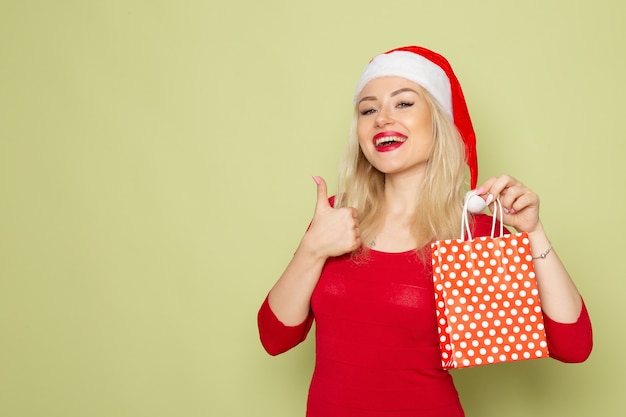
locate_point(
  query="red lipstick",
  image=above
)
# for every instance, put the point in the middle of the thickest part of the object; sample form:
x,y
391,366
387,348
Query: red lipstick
x,y
388,140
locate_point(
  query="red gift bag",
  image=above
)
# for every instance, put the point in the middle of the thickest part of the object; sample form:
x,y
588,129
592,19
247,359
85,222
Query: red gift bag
x,y
488,307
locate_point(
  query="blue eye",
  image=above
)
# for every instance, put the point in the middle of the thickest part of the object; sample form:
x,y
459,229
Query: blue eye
x,y
404,104
366,112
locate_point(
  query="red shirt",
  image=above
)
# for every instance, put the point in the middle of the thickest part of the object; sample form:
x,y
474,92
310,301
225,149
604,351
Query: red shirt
x,y
377,348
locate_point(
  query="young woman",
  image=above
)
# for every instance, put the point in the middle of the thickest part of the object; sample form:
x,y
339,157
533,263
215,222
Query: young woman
x,y
363,271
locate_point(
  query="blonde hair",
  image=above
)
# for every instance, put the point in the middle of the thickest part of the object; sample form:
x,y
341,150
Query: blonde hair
x,y
438,210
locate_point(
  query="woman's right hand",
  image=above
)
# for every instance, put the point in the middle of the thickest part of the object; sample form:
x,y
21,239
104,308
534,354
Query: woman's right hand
x,y
333,231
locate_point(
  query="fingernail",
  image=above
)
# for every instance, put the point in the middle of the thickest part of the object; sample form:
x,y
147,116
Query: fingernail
x,y
316,180
512,211
479,191
489,199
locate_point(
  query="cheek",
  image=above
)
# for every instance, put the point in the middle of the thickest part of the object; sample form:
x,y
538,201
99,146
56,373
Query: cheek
x,y
423,128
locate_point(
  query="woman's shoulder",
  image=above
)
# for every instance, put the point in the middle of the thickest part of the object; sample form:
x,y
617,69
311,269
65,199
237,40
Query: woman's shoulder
x,y
481,225
482,219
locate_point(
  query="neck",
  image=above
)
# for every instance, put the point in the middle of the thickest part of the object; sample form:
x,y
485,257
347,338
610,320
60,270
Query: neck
x,y
401,194
395,231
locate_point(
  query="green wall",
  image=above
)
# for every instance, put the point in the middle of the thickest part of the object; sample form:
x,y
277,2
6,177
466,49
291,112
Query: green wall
x,y
155,178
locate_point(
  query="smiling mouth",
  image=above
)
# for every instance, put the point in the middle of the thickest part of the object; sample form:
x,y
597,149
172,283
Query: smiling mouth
x,y
389,140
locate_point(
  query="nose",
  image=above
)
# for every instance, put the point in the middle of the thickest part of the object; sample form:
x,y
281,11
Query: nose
x,y
383,118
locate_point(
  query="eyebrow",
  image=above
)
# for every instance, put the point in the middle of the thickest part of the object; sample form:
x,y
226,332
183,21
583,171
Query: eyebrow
x,y
395,93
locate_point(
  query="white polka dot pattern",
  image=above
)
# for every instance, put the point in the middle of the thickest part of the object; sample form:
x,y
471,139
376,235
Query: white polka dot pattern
x,y
488,307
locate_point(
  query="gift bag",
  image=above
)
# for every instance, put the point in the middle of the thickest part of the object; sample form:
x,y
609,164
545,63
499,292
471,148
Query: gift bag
x,y
488,307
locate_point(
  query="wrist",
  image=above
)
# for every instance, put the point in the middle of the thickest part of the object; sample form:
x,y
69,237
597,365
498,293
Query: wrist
x,y
538,232
540,244
307,249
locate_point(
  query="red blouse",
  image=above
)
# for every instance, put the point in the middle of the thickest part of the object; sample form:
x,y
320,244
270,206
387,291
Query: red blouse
x,y
377,348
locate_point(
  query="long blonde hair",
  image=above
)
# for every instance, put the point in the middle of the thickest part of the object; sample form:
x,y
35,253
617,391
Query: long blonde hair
x,y
438,210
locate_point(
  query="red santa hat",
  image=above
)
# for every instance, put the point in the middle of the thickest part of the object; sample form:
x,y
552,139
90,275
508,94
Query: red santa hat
x,y
434,73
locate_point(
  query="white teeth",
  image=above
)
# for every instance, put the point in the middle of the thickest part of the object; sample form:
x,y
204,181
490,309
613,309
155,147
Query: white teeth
x,y
389,140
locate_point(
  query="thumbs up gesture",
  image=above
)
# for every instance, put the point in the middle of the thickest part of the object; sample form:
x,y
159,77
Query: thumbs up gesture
x,y
333,231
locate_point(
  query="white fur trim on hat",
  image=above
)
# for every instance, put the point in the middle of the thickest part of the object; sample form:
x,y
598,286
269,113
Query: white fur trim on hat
x,y
412,67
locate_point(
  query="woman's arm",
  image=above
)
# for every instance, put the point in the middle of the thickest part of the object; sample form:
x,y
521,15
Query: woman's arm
x,y
332,232
570,342
290,297
567,323
275,336
559,297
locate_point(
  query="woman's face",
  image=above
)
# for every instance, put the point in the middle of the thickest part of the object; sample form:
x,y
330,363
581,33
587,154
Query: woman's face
x,y
394,125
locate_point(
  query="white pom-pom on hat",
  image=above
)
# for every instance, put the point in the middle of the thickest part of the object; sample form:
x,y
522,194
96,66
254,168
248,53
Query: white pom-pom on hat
x,y
474,203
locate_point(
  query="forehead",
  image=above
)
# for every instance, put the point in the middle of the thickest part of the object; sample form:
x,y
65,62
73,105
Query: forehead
x,y
387,85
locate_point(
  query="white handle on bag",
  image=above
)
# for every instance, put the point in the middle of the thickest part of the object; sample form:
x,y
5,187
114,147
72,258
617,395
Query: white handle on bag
x,y
465,221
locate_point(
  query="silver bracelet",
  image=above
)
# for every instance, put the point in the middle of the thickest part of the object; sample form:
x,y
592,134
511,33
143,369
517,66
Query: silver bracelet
x,y
544,254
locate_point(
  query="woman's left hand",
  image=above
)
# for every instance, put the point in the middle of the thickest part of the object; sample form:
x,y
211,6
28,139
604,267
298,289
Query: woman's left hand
x,y
520,203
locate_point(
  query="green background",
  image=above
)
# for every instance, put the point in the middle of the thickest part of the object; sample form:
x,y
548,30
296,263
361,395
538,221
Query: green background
x,y
155,178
